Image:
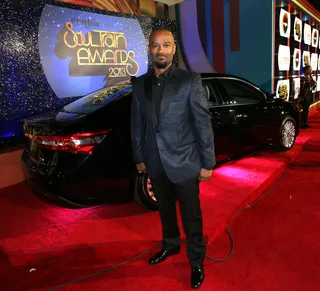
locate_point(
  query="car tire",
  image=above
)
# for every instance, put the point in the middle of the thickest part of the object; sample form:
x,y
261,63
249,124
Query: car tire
x,y
287,134
143,192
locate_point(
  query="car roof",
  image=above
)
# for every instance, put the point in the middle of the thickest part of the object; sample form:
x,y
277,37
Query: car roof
x,y
221,75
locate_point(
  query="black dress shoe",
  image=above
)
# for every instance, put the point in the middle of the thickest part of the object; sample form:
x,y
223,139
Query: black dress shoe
x,y
162,255
197,276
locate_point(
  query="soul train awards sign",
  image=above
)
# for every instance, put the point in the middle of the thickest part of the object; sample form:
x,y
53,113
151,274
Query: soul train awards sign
x,y
82,52
99,52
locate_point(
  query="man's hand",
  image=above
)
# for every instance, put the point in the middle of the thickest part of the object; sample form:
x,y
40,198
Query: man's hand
x,y
205,175
141,167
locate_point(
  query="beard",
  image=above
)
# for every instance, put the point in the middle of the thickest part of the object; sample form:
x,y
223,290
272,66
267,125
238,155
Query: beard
x,y
161,65
161,61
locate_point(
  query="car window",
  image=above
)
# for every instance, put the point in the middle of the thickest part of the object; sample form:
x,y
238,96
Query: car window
x,y
240,92
213,99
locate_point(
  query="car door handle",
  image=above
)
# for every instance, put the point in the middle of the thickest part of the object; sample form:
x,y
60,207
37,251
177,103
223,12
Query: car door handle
x,y
215,114
215,119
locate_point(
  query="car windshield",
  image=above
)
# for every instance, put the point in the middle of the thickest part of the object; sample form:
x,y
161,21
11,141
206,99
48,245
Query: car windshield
x,y
98,99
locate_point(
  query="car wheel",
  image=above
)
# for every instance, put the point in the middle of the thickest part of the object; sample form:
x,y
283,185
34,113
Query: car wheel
x,y
287,134
144,193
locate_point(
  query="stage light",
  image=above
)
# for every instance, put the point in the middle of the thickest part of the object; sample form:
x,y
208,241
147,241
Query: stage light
x,y
7,135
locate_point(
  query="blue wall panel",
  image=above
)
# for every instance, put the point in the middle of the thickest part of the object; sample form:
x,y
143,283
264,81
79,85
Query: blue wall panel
x,y
254,60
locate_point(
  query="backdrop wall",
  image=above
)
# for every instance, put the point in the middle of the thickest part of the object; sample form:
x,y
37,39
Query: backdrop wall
x,y
52,52
252,56
237,37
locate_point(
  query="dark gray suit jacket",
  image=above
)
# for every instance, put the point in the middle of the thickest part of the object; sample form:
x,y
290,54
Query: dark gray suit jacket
x,y
183,136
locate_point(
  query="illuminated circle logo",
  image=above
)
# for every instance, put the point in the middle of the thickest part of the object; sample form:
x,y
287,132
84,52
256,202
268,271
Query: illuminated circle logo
x,y
82,52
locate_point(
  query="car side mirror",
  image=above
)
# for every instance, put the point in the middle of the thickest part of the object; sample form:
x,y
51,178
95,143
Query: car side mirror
x,y
270,97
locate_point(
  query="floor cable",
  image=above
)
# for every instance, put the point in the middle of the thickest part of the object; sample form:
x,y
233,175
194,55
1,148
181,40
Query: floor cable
x,y
228,230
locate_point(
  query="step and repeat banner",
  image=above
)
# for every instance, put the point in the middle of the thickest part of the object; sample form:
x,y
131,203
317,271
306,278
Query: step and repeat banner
x,y
297,44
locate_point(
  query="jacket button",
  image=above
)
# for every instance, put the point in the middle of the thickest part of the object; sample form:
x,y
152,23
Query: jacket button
x,y
158,131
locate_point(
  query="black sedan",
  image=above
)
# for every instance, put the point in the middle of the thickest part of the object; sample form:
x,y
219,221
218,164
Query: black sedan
x,y
81,154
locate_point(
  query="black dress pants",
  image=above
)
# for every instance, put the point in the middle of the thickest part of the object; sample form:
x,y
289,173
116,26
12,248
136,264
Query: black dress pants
x,y
187,194
305,112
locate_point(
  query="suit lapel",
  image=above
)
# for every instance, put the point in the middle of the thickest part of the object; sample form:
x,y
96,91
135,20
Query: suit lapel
x,y
168,92
168,95
149,101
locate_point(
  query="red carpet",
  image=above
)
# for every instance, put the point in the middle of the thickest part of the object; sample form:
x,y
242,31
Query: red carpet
x,y
277,242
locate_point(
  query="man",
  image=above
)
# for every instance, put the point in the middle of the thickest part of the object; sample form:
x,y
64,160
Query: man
x,y
306,95
172,141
